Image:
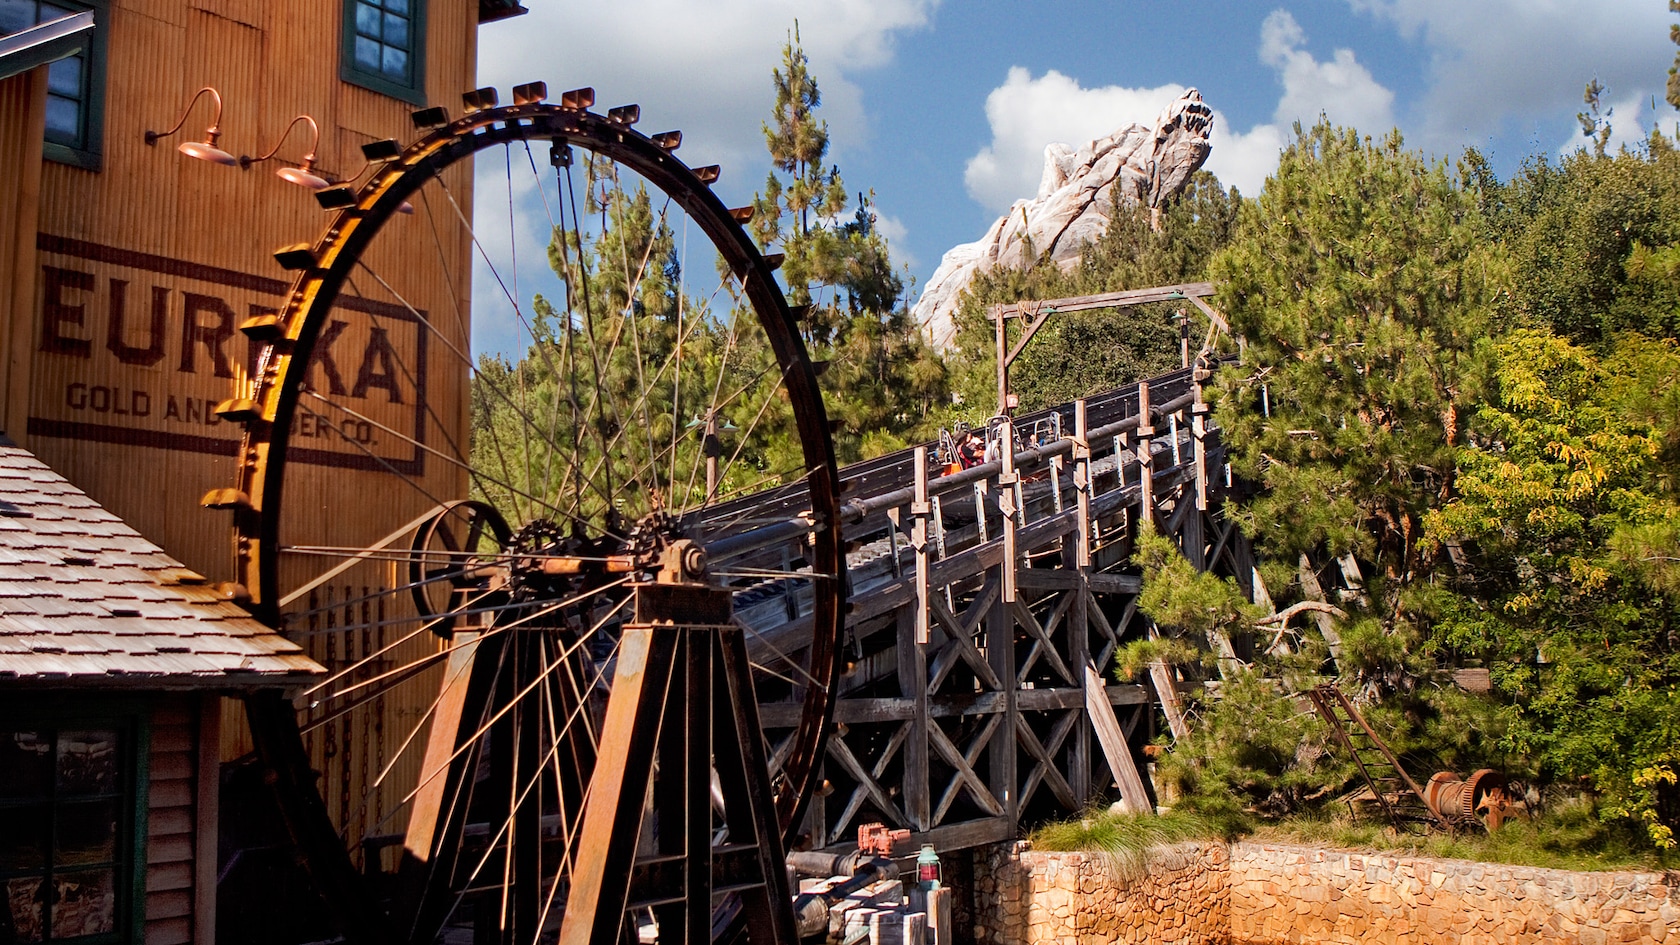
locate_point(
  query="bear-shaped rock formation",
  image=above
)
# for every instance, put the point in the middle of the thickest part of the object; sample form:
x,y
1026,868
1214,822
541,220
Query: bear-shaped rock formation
x,y
1137,164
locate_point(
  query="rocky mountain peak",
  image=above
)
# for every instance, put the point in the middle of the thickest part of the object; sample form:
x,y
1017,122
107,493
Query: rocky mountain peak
x,y
1137,164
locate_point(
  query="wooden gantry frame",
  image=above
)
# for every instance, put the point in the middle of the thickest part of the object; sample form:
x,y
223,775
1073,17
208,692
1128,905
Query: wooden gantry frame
x,y
987,607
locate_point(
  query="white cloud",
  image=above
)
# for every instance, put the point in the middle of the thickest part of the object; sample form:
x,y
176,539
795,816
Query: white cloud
x,y
1340,88
703,67
1027,113
1244,161
1495,62
1629,120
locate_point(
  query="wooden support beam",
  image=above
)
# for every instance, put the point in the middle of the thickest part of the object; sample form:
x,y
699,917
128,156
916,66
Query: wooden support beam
x,y
913,687
1145,458
1133,797
1166,689
1123,299
1000,652
1008,505
962,762
1198,434
1042,644
868,782
1058,579
961,633
1044,767
1082,485
919,508
1078,635
1312,590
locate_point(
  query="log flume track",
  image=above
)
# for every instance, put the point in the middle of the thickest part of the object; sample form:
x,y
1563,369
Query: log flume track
x,y
985,608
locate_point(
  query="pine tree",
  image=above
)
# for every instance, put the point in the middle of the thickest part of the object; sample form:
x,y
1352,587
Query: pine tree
x,y
882,381
1080,353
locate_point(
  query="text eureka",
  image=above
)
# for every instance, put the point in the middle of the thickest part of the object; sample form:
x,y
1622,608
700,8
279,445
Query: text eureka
x,y
165,331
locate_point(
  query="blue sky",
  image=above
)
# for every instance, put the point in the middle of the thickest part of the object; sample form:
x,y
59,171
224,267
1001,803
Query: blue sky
x,y
943,107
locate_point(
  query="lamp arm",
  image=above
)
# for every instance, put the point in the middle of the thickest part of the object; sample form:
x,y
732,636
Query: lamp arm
x,y
215,120
314,143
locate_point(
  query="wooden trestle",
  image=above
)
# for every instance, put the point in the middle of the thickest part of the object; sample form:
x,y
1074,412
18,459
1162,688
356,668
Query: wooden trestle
x,y
986,607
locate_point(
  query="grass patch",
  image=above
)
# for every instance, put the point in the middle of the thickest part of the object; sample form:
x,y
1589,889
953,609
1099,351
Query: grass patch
x,y
1127,841
1567,836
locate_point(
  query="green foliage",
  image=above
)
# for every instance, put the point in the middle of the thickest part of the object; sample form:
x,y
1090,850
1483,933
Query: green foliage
x,y
1581,234
1253,753
1080,353
1568,508
1364,288
1191,602
1673,89
883,381
1364,292
1595,126
1128,842
1190,608
1566,835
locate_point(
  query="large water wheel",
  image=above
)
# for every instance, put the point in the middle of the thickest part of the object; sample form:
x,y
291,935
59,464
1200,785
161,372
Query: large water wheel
x,y
489,579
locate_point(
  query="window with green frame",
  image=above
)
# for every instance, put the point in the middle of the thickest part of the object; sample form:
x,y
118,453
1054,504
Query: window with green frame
x,y
75,85
385,47
71,802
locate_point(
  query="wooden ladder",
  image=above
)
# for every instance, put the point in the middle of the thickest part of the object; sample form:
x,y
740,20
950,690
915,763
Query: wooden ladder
x,y
1400,797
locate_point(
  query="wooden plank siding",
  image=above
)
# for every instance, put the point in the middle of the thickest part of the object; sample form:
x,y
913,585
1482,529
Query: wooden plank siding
x,y
172,822
150,228
150,215
23,110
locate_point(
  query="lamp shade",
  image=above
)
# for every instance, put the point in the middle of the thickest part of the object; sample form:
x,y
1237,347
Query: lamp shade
x,y
205,151
302,178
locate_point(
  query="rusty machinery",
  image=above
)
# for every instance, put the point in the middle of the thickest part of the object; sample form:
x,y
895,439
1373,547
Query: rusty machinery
x,y
1446,801
540,718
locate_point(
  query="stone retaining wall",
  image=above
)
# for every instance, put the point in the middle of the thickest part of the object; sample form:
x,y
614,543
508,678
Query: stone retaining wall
x,y
1022,896
1292,894
1279,894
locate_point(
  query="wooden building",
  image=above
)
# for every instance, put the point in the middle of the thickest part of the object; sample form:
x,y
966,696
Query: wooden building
x,y
113,660
129,266
126,269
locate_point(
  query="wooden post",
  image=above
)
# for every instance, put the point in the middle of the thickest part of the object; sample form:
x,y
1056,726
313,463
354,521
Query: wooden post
x,y
1192,533
1198,431
1159,673
1000,655
1082,482
913,685
1077,626
1113,740
1146,461
1002,362
1008,497
919,509
1312,590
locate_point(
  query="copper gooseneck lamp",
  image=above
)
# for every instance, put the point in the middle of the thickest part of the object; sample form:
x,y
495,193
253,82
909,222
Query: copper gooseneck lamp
x,y
304,174
205,150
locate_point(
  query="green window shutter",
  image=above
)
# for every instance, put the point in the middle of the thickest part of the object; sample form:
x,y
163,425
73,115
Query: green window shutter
x,y
75,133
383,47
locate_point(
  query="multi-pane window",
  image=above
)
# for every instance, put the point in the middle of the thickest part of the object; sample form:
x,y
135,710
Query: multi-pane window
x,y
65,847
75,85
384,46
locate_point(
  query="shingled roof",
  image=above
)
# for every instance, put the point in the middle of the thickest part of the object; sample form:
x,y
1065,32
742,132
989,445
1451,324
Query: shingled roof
x,y
86,601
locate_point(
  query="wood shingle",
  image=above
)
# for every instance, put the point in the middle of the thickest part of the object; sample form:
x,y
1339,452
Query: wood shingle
x,y
85,598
